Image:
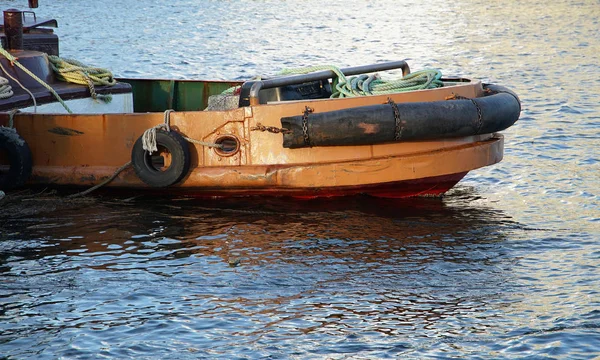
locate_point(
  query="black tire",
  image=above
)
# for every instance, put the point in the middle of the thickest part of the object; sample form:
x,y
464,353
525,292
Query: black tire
x,y
19,159
143,165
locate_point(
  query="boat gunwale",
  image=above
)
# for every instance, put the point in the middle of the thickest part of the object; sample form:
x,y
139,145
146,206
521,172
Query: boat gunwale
x,y
282,176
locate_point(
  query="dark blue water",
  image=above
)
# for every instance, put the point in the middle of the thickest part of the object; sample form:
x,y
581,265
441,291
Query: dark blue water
x,y
506,265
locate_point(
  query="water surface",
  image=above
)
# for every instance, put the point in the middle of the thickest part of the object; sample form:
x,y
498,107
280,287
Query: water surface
x,y
506,265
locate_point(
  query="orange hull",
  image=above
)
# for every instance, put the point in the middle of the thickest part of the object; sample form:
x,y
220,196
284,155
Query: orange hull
x,y
89,148
401,144
433,186
284,136
82,150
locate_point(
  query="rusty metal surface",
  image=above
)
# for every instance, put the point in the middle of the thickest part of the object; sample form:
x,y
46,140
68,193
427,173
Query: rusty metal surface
x,y
96,145
13,29
32,22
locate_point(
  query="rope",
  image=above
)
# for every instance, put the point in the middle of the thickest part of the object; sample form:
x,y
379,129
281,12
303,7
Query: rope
x,y
203,143
363,85
10,132
148,144
234,90
73,71
11,117
67,70
149,136
22,87
5,89
14,61
85,192
12,135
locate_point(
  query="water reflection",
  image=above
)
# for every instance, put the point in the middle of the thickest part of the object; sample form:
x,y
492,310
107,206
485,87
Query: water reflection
x,y
360,269
367,229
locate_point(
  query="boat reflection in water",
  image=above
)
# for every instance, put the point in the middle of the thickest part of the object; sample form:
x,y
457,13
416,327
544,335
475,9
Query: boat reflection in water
x,y
260,272
365,227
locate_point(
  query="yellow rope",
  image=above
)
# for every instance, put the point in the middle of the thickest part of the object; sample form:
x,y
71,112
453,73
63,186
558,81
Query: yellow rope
x,y
14,61
22,87
76,72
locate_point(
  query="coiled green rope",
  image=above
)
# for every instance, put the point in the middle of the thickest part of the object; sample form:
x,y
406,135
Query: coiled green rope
x,y
362,85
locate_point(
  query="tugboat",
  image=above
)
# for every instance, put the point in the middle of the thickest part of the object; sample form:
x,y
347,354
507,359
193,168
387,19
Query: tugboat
x,y
313,133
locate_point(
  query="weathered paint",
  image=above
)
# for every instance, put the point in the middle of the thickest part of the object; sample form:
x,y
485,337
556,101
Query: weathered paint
x,y
65,131
261,165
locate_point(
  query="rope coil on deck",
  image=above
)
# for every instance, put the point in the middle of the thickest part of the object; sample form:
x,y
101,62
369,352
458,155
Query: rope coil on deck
x,y
76,72
362,85
13,61
5,88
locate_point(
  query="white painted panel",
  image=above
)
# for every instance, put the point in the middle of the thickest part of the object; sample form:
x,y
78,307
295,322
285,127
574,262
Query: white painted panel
x,y
121,103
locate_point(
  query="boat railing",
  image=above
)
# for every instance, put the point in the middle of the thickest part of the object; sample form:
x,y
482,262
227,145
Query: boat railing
x,y
259,85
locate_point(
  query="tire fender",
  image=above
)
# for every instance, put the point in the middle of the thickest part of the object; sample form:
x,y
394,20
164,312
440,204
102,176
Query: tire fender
x,y
18,154
143,165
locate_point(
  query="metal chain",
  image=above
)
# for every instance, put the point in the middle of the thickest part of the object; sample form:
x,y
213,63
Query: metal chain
x,y
307,111
271,129
398,131
479,116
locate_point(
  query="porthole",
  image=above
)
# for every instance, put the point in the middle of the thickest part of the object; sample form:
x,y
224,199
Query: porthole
x,y
230,145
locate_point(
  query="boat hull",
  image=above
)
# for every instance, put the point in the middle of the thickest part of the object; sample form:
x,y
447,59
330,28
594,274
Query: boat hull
x,y
83,150
427,187
432,186
429,173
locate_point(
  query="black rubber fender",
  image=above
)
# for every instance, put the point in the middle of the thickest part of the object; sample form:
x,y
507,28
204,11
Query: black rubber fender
x,y
18,154
143,165
497,110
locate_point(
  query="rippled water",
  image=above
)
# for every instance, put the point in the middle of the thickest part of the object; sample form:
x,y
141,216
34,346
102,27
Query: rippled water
x,y
507,265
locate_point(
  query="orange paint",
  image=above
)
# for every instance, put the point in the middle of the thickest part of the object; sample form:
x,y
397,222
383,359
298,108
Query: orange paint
x,y
97,145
